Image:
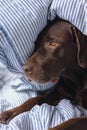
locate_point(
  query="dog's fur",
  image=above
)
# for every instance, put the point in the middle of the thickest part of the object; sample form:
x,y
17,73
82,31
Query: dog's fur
x,y
61,57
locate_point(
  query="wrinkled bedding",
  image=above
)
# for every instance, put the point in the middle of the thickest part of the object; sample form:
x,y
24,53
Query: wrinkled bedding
x,y
40,117
19,28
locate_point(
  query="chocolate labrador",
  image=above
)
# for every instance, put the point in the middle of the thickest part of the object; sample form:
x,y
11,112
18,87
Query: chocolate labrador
x,y
61,58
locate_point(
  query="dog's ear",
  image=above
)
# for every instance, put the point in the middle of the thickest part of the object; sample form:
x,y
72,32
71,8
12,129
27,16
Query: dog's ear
x,y
81,50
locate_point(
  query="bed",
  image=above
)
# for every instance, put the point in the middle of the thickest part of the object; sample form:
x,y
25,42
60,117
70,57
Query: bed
x,y
20,23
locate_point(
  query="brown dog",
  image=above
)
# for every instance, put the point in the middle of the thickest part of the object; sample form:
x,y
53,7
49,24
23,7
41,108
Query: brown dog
x,y
62,56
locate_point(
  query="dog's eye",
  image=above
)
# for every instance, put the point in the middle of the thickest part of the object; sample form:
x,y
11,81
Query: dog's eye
x,y
52,43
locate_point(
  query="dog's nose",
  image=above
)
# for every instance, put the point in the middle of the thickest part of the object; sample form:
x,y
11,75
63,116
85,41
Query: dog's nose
x,y
27,68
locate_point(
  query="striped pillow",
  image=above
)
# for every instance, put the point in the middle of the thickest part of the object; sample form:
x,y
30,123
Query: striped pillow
x,y
75,11
20,23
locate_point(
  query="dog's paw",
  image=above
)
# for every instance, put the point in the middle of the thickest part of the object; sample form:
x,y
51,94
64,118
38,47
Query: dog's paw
x,y
6,116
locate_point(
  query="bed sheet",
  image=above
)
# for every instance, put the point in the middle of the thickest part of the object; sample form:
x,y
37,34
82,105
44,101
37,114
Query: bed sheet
x,y
40,117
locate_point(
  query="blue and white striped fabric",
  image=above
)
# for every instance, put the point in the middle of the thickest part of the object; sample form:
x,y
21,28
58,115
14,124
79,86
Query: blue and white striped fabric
x,y
45,116
20,23
75,11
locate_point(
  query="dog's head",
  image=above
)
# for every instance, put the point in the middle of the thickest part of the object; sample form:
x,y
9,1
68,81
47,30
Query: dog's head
x,y
57,51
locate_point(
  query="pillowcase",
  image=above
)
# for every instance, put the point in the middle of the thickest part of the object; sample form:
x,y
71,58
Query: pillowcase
x,y
20,23
75,11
